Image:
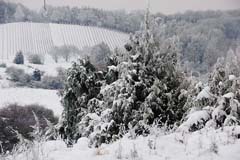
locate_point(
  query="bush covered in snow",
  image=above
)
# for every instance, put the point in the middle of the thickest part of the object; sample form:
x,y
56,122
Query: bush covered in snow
x,y
49,82
217,103
3,65
36,76
66,52
35,59
36,79
19,58
15,118
18,76
98,55
21,78
40,80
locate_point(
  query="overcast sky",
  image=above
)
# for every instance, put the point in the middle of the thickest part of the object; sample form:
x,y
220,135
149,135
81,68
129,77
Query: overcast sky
x,y
163,6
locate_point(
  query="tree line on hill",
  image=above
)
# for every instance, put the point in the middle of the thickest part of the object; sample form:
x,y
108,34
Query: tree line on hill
x,y
204,36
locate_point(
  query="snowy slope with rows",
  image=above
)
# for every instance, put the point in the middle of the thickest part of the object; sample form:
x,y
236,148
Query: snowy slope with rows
x,y
39,38
28,37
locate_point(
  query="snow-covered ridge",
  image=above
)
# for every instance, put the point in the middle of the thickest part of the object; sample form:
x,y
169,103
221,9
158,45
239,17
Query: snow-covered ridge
x,y
39,38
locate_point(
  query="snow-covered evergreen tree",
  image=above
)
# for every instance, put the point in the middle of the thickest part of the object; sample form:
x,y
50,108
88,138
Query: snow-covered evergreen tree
x,y
36,75
19,58
217,103
145,87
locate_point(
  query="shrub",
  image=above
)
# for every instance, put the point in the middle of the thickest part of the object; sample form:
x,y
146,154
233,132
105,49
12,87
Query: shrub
x,y
216,104
55,53
55,82
36,80
36,75
68,51
50,82
35,59
62,73
3,65
98,55
18,75
21,119
19,58
65,51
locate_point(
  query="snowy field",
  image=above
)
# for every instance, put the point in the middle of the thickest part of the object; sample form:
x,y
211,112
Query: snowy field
x,y
26,96
206,144
9,94
39,38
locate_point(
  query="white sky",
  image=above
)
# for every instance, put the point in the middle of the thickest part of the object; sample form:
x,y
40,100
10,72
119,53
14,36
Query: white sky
x,y
163,6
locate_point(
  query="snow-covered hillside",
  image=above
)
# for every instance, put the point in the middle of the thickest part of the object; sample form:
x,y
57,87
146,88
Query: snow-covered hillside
x,y
39,38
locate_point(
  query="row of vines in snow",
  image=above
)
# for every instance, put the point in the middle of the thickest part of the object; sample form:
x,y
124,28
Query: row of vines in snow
x,y
28,37
37,38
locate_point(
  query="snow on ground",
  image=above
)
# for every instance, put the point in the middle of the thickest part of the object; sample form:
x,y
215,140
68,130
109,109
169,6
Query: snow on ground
x,y
26,96
4,83
206,144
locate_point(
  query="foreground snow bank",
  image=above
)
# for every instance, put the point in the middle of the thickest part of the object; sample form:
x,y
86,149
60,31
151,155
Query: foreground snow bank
x,y
26,96
205,144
